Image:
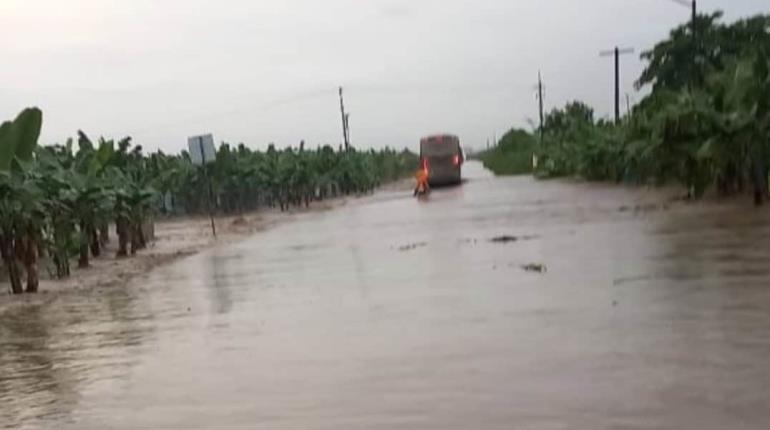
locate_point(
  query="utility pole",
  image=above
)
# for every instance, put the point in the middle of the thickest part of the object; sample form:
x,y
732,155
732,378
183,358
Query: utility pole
x,y
628,105
693,4
694,30
617,84
345,139
617,52
694,19
540,102
347,127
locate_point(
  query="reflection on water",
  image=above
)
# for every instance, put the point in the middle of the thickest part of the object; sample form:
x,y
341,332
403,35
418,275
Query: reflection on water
x,y
650,319
221,298
33,384
51,352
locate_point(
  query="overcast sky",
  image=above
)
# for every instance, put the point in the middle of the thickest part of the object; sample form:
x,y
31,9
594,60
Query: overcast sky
x,y
260,71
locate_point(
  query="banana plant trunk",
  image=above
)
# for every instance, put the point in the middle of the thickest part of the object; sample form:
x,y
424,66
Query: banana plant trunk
x,y
96,244
135,245
121,226
60,252
30,258
104,234
759,180
83,249
9,257
62,265
141,236
759,192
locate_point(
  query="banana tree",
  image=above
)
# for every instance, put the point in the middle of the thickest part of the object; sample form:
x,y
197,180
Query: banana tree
x,y
132,205
91,204
30,225
21,218
12,203
19,198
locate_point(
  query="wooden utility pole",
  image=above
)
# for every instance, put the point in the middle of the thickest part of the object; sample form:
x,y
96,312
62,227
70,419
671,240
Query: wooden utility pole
x,y
628,105
617,85
347,127
540,103
694,19
694,29
345,139
617,52
693,5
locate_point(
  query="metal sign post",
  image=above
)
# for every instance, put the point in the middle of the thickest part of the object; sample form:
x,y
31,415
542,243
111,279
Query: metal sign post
x,y
202,152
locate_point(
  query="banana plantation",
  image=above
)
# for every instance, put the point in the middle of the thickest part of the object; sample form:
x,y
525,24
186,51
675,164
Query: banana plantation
x,y
245,179
60,203
705,123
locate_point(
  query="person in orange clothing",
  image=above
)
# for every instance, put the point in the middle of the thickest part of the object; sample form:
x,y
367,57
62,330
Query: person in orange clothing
x,y
422,182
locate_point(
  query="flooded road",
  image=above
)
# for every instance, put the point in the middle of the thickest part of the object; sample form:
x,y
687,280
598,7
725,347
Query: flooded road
x,y
599,311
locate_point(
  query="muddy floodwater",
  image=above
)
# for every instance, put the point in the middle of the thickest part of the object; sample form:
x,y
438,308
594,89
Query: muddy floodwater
x,y
502,304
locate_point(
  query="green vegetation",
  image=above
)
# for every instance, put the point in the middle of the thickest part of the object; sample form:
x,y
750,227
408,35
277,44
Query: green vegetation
x,y
705,124
59,203
244,179
512,155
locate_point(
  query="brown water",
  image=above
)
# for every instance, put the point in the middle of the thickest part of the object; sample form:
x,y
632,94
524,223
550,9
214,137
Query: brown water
x,y
393,313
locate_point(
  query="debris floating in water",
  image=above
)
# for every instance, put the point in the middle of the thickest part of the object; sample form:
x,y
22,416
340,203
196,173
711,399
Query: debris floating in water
x,y
504,239
539,268
412,246
509,239
643,208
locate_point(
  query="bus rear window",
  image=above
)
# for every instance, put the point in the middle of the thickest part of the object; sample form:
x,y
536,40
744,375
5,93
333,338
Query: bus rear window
x,y
436,148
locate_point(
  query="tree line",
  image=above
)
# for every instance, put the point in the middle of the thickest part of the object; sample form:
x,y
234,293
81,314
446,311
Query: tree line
x,y
705,123
60,201
244,179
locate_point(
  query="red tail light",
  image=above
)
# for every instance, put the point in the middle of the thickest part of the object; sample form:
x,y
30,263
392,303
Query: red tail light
x,y
456,160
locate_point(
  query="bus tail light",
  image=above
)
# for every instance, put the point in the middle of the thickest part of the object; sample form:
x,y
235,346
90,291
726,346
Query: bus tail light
x,y
456,160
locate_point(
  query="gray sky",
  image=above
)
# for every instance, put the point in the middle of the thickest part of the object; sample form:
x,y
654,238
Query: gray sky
x,y
267,71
